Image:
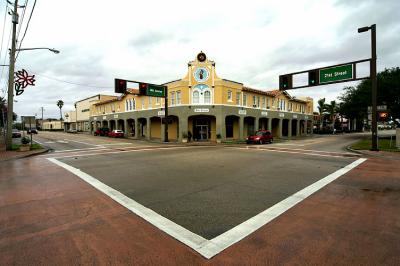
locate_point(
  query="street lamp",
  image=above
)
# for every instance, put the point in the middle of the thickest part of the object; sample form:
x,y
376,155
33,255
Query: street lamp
x,y
11,83
374,125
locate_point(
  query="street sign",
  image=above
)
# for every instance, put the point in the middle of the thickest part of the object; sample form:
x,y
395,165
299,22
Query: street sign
x,y
156,90
337,73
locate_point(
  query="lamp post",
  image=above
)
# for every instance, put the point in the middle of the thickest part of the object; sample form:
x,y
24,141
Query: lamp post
x,y
11,82
374,124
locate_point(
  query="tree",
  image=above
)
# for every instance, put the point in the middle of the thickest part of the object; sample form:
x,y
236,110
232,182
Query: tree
x,y
331,109
60,104
321,110
357,99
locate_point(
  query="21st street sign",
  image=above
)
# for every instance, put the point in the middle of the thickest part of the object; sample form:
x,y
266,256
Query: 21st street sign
x,y
333,74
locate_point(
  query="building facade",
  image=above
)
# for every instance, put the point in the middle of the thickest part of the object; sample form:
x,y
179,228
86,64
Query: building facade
x,y
206,106
82,111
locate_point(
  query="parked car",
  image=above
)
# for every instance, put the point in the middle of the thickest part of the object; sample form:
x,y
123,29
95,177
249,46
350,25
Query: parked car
x,y
32,131
16,133
72,131
102,131
116,133
261,137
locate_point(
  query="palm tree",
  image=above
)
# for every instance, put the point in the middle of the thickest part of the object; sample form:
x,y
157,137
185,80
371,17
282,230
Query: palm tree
x,y
321,109
331,110
60,104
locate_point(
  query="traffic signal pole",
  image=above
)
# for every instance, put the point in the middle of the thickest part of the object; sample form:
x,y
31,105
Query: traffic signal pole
x,y
10,100
166,115
374,124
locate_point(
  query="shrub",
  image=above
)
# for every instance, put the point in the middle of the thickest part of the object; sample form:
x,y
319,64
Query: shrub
x,y
25,140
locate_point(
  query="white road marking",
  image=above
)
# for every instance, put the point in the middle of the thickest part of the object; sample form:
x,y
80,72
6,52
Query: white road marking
x,y
81,142
128,150
330,152
49,142
314,153
210,248
38,142
62,141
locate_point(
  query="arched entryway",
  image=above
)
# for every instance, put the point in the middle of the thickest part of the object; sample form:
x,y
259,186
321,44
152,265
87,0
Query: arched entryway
x,y
285,127
142,127
263,123
130,130
121,125
249,128
203,127
112,125
275,127
155,130
294,127
105,123
232,127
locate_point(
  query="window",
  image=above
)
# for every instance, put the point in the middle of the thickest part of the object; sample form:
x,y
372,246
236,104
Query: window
x,y
178,97
258,101
229,96
196,97
133,104
237,98
207,97
157,100
244,100
150,101
142,103
264,102
254,101
172,98
126,105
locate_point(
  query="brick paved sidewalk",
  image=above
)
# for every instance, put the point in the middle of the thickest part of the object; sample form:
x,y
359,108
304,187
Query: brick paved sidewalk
x,y
48,216
10,155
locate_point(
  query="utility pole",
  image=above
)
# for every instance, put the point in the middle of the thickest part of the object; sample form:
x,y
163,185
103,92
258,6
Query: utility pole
x,y
41,124
374,89
11,78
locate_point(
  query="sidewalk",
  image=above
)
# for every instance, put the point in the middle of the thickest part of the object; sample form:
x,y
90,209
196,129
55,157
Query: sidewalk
x,y
48,216
10,155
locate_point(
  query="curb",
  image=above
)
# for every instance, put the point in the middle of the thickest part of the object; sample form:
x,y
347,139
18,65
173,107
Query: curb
x,y
26,156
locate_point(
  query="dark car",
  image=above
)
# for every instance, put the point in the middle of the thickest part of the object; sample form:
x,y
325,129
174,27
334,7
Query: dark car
x,y
102,131
32,131
16,133
260,137
116,133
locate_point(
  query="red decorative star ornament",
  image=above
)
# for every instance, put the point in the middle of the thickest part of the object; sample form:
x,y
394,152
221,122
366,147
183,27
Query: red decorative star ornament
x,y
23,79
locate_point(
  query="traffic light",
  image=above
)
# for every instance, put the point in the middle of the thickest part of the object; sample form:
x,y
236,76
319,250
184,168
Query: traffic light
x,y
120,86
143,88
285,82
313,78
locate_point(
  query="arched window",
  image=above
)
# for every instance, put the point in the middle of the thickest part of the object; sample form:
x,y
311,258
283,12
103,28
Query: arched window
x,y
196,96
207,97
126,105
130,104
133,104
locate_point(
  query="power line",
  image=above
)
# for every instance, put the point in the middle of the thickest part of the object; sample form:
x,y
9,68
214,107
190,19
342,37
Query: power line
x,y
4,29
27,25
68,82
22,18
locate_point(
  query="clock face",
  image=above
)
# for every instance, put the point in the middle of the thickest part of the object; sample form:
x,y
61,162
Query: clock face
x,y
201,57
201,74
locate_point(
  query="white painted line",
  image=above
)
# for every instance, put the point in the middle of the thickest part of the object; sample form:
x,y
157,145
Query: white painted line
x,y
294,152
38,142
316,151
124,151
81,142
49,142
178,232
244,229
80,150
118,143
62,141
210,248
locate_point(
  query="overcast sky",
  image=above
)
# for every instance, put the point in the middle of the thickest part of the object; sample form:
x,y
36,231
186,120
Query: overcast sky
x,y
252,42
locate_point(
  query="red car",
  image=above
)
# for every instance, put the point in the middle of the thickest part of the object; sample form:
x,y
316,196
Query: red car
x,y
261,137
116,133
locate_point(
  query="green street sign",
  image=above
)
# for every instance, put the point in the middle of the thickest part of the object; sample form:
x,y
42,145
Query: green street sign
x,y
155,91
338,73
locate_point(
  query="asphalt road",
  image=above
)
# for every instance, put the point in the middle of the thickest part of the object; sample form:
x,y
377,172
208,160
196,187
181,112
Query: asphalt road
x,y
209,190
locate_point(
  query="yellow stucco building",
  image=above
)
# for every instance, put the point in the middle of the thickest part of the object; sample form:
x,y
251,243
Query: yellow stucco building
x,y
207,106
